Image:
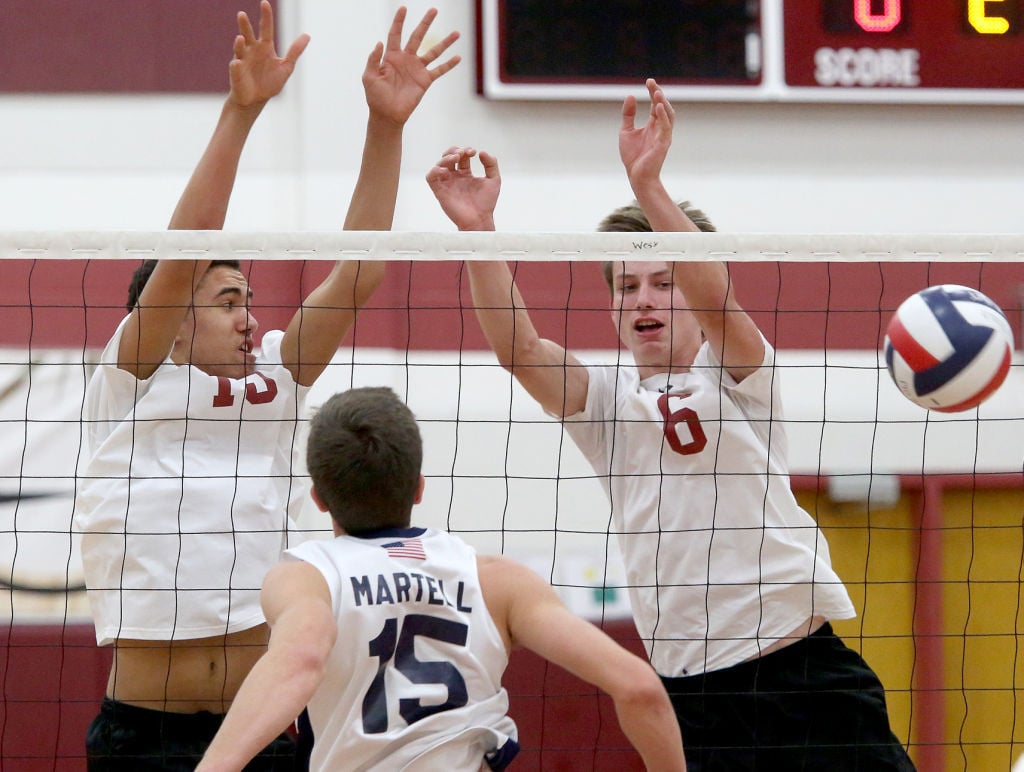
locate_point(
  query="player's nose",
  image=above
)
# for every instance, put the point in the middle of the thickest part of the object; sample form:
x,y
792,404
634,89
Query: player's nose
x,y
645,297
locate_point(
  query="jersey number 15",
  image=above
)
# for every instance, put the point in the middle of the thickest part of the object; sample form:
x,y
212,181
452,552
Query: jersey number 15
x,y
401,647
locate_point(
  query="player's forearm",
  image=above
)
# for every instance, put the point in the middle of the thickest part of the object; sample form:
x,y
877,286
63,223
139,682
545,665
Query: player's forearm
x,y
148,336
327,314
501,311
204,203
704,283
652,729
662,211
372,207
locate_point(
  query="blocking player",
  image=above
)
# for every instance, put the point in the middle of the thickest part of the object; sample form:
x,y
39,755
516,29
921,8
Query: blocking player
x,y
184,501
730,581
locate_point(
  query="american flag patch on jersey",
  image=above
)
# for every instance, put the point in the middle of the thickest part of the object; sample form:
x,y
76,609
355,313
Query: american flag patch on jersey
x,y
407,548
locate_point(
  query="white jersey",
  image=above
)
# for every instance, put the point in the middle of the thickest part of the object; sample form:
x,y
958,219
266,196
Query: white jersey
x,y
414,680
720,559
184,499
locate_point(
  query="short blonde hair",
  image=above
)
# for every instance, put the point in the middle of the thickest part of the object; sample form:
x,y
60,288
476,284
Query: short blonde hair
x,y
631,219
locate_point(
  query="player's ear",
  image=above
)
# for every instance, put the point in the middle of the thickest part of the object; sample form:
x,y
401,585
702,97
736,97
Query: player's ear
x,y
419,490
317,500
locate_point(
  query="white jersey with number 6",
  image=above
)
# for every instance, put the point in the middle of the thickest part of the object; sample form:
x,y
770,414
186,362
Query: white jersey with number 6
x,y
721,561
414,680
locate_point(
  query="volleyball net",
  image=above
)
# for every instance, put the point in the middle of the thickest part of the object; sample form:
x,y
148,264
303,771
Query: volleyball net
x,y
922,510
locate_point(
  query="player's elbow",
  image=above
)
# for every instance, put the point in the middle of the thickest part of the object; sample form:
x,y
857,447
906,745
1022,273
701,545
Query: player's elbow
x,y
308,668
520,353
311,658
310,648
638,687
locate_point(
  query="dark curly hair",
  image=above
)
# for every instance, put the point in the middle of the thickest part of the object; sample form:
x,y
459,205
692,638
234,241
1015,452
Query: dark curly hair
x,y
144,271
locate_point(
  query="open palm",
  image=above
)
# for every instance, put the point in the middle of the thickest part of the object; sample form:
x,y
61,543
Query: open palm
x,y
257,73
397,77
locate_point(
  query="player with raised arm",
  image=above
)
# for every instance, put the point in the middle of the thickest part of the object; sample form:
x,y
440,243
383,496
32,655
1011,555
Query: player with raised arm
x,y
397,637
184,501
730,581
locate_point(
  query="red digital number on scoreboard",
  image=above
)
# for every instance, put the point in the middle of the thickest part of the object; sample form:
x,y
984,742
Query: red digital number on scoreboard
x,y
904,44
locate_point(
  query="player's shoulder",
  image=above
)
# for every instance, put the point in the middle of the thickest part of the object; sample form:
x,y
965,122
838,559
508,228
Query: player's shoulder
x,y
499,573
493,562
494,571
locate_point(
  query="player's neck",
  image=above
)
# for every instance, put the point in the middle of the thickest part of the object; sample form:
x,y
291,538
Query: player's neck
x,y
650,370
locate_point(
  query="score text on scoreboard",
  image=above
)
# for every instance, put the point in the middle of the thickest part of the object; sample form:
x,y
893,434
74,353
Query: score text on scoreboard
x,y
938,51
942,47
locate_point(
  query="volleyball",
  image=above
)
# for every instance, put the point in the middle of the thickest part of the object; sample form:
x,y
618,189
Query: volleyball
x,y
948,348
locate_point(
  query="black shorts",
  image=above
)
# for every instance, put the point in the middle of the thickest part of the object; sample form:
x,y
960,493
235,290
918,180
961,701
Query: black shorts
x,y
812,705
124,738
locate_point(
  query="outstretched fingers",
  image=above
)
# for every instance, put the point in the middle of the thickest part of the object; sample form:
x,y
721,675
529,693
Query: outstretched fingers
x,y
266,22
420,32
373,60
247,33
394,41
435,52
248,37
661,108
296,48
629,113
415,41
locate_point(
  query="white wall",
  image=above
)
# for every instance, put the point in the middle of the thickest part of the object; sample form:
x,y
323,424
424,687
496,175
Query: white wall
x,y
120,162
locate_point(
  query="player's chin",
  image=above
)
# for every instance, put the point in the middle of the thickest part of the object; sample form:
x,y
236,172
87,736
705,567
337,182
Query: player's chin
x,y
650,340
236,370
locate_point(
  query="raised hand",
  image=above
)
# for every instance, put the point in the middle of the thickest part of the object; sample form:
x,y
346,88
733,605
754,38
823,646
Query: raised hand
x,y
397,77
468,200
643,150
257,73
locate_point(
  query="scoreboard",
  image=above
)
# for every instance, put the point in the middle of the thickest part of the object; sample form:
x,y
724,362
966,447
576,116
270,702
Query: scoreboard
x,y
935,51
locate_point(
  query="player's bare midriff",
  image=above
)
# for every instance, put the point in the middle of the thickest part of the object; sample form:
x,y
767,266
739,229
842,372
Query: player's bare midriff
x,y
184,676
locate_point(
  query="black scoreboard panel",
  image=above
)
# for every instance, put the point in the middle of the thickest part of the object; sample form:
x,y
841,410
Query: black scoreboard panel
x,y
759,50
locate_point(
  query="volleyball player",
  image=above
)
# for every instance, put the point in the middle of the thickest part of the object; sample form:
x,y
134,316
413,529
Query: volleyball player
x,y
184,501
397,637
730,581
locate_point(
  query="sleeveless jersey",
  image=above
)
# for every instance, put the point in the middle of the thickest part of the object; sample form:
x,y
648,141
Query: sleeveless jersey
x,y
721,561
414,680
183,502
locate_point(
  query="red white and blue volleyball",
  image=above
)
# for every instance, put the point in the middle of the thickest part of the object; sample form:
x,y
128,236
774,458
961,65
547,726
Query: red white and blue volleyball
x,y
948,348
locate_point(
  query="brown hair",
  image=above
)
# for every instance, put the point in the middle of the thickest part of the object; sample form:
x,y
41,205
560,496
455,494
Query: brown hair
x,y
631,219
364,456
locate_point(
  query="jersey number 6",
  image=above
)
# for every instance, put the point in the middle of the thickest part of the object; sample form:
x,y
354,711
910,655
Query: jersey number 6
x,y
698,440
